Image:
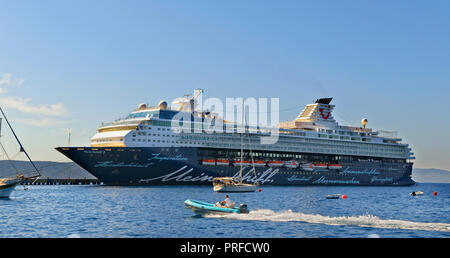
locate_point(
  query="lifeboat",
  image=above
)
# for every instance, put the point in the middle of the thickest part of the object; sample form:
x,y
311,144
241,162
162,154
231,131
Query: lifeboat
x,y
334,166
259,163
222,162
320,165
307,167
291,164
238,163
275,163
209,162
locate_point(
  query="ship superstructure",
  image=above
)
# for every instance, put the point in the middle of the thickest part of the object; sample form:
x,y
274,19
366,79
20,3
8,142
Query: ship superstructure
x,y
312,148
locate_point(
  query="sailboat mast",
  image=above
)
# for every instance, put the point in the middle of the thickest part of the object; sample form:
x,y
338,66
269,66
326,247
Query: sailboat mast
x,y
242,142
20,144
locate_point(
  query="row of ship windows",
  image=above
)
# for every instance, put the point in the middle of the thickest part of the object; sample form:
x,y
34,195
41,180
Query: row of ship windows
x,y
325,150
149,128
252,139
343,149
322,136
343,145
360,136
257,138
343,132
164,135
107,140
139,140
231,153
338,151
377,148
354,146
320,150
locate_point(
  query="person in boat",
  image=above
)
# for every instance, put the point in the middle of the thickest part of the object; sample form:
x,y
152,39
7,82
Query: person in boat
x,y
227,202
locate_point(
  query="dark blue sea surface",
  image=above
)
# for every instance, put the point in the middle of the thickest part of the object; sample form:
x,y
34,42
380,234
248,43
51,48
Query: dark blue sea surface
x,y
287,212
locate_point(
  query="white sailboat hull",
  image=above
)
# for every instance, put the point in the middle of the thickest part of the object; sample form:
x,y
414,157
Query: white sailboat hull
x,y
6,190
235,188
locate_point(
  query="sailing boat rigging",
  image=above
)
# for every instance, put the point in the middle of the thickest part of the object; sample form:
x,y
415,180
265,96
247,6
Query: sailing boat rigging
x,y
8,184
230,184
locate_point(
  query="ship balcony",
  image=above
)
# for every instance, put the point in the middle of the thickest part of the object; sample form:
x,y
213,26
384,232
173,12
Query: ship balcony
x,y
109,139
118,127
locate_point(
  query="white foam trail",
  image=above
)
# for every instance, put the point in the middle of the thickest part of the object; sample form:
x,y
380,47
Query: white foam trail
x,y
73,236
361,221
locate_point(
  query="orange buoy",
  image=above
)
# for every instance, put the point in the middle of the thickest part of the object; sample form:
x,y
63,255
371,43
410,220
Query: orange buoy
x,y
344,196
434,193
259,190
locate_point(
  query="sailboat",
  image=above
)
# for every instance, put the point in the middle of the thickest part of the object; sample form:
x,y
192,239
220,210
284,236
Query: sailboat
x,y
232,184
7,184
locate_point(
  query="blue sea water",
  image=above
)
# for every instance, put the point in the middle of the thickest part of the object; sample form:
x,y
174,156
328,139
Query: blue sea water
x,y
286,212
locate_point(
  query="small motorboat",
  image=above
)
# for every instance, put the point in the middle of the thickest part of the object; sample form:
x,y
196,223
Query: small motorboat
x,y
333,196
416,193
202,208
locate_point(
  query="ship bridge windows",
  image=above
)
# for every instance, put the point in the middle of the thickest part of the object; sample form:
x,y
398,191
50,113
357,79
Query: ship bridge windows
x,y
149,114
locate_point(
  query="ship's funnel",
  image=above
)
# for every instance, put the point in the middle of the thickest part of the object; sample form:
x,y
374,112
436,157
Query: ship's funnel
x,y
320,111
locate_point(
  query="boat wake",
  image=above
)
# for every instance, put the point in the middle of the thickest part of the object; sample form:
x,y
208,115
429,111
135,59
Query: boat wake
x,y
360,221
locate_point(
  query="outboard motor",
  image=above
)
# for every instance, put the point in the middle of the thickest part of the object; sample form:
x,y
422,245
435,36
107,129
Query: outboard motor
x,y
243,208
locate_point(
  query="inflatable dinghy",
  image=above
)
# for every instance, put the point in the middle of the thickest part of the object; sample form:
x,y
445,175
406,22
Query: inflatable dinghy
x,y
333,196
208,208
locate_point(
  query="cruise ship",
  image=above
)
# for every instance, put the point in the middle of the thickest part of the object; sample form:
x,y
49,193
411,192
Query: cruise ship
x,y
148,148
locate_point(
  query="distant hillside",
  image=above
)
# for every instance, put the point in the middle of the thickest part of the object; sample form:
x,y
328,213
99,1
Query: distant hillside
x,y
431,175
48,169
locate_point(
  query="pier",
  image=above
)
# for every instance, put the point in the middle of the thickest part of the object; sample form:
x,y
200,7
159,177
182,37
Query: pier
x,y
67,181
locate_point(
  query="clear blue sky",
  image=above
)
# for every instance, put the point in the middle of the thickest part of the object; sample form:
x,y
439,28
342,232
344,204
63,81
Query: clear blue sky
x,y
74,64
